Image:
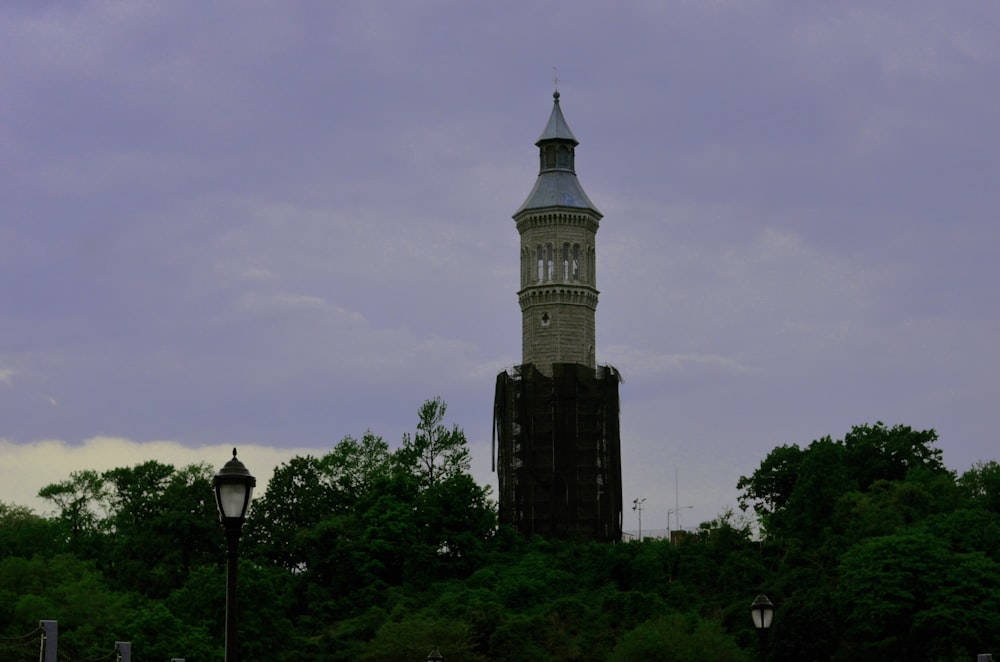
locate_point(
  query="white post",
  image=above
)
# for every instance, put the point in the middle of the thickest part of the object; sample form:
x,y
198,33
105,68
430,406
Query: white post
x,y
51,637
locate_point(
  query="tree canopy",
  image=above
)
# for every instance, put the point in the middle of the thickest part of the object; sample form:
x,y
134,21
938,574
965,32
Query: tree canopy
x,y
868,545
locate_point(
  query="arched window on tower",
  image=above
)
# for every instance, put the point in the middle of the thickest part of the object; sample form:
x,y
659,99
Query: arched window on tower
x,y
576,261
565,262
550,262
541,267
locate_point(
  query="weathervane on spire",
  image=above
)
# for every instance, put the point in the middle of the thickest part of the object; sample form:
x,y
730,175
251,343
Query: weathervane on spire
x,y
555,78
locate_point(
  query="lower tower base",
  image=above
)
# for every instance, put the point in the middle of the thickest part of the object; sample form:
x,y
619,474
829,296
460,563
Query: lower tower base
x,y
558,452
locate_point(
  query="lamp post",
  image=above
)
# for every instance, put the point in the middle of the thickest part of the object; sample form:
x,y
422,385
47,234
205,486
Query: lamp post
x,y
762,612
435,656
233,490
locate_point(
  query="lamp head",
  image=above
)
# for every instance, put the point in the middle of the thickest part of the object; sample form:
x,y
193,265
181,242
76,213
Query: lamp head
x,y
762,611
233,490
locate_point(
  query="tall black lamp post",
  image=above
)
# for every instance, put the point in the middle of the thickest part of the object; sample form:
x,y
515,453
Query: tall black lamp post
x,y
762,611
233,490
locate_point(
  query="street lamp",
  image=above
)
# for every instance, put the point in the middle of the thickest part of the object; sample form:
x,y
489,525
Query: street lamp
x,y
435,656
233,490
762,612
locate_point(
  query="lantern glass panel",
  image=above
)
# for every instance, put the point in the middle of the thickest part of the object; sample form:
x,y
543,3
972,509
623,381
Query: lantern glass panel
x,y
232,497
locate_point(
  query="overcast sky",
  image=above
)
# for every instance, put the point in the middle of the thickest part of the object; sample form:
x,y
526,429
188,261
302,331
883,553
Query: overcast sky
x,y
274,224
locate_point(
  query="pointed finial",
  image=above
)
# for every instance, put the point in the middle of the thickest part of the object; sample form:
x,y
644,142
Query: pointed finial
x,y
234,452
555,82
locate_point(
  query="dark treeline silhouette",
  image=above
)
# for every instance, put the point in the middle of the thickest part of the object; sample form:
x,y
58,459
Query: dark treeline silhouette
x,y
868,546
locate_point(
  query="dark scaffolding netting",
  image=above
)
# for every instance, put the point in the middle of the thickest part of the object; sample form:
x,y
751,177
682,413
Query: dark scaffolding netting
x,y
558,452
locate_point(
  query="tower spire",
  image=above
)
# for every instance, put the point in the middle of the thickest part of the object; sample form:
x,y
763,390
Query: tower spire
x,y
557,185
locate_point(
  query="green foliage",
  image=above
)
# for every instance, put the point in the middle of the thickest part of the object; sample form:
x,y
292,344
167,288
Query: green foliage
x,y
981,484
90,612
157,633
23,533
770,487
355,467
909,595
82,502
796,492
412,636
678,638
278,529
161,522
434,453
875,452
871,549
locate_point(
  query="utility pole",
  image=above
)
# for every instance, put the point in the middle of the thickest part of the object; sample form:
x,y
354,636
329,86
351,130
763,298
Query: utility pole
x,y
677,506
637,506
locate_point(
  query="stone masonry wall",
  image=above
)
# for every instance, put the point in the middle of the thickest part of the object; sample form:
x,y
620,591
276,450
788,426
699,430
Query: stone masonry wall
x,y
558,310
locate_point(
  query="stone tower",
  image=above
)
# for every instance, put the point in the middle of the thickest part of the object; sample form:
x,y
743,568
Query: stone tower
x,y
557,224
556,414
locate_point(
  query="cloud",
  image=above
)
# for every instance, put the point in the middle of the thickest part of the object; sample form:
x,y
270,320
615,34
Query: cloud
x,y
647,367
27,468
286,223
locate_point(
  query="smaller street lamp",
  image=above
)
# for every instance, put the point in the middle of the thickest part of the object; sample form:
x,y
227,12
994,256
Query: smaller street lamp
x,y
435,656
762,612
233,490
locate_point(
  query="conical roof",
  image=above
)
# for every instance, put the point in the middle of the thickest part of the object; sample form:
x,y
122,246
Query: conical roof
x,y
557,128
557,185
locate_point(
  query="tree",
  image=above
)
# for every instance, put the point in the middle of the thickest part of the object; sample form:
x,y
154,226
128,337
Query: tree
x,y
769,488
823,478
455,519
134,494
157,633
309,500
354,467
413,636
297,498
82,504
982,485
23,533
160,523
434,453
909,596
795,491
875,452
678,637
71,590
